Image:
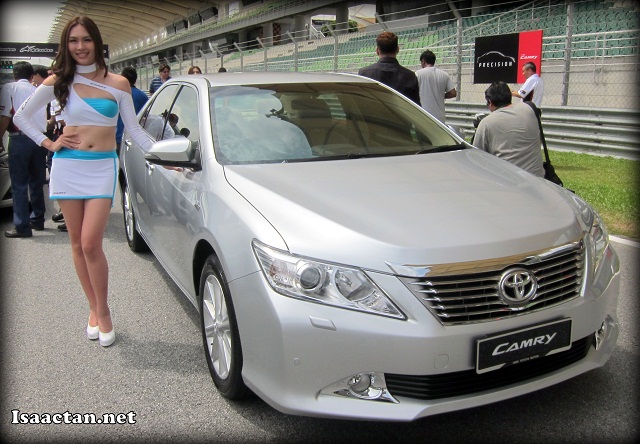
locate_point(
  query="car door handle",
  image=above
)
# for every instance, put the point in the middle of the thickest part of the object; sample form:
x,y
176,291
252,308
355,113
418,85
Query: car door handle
x,y
149,167
127,143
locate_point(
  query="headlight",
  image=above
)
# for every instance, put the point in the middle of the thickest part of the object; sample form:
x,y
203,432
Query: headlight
x,y
599,238
598,235
326,283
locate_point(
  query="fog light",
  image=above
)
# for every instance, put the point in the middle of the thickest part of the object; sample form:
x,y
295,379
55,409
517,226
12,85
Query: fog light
x,y
369,386
601,334
359,384
363,385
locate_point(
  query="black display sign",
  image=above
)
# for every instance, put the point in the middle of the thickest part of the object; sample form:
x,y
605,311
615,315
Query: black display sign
x,y
501,57
496,58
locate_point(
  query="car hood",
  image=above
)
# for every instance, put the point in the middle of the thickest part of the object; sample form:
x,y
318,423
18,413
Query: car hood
x,y
422,209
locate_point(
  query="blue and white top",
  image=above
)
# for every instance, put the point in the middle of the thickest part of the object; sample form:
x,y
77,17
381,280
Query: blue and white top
x,y
79,112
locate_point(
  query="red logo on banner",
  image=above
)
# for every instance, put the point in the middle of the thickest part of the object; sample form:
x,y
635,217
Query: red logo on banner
x,y
529,50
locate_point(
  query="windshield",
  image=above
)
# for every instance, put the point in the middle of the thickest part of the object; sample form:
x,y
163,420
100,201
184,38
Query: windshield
x,y
319,121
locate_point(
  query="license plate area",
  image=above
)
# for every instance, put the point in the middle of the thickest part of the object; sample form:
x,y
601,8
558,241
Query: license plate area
x,y
515,347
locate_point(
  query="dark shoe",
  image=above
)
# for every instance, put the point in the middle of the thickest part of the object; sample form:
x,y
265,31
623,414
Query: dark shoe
x,y
14,233
62,227
37,227
57,217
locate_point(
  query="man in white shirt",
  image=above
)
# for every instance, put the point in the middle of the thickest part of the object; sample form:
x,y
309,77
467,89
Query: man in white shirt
x,y
435,86
27,160
532,89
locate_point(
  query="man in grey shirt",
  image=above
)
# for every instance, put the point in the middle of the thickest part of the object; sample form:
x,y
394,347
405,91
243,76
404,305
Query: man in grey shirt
x,y
510,132
435,86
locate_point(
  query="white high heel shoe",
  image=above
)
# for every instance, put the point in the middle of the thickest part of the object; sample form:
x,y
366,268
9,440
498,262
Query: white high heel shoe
x,y
92,332
106,339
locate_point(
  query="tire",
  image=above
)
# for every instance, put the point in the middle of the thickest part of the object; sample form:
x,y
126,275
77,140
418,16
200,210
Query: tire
x,y
134,239
220,335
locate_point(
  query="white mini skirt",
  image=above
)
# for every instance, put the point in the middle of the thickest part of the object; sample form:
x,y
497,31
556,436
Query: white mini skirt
x,y
83,174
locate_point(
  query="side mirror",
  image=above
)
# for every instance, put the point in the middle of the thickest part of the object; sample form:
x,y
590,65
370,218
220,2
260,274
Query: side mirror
x,y
178,152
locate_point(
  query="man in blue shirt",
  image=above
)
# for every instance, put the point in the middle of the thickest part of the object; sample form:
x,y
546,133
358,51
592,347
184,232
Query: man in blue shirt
x,y
156,82
139,99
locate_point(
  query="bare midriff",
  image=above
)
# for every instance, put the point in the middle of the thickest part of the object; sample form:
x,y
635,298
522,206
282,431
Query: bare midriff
x,y
93,138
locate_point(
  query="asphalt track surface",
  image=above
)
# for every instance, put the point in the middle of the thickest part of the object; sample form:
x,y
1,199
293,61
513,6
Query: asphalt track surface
x,y
156,369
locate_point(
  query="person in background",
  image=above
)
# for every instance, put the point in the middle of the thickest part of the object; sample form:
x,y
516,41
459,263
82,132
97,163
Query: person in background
x,y
39,74
435,86
139,100
173,123
54,129
194,70
84,171
156,82
532,90
58,126
388,70
510,132
27,160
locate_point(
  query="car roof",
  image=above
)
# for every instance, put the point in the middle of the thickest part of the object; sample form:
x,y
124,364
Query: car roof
x,y
270,77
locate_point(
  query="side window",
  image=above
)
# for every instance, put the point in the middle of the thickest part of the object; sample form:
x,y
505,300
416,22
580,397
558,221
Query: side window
x,y
183,118
155,118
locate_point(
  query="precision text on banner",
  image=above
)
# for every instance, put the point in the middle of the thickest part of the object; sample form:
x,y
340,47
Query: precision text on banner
x,y
500,57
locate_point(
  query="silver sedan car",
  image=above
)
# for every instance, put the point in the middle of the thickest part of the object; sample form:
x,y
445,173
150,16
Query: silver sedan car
x,y
351,257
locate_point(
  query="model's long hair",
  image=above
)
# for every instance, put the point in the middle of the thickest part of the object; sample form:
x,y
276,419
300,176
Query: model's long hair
x,y
64,66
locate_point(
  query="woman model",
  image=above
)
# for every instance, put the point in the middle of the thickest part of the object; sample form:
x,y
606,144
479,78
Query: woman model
x,y
84,168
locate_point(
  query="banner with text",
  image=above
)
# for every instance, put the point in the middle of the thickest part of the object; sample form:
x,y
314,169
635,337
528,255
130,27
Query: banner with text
x,y
28,50
501,57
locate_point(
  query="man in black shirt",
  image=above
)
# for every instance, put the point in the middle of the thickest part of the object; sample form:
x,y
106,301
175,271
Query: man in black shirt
x,y
388,70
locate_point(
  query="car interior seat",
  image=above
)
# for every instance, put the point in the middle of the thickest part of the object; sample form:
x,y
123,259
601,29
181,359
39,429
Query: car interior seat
x,y
314,117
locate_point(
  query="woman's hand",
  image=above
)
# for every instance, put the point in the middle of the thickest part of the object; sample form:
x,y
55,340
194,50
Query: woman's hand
x,y
64,141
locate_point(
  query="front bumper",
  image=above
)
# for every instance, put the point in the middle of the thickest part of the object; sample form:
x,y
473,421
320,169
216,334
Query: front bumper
x,y
294,352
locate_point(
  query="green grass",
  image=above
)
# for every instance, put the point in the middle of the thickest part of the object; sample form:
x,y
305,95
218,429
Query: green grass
x,y
610,185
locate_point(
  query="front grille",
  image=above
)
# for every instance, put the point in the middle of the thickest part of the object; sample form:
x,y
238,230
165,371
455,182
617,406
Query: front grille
x,y
468,381
474,297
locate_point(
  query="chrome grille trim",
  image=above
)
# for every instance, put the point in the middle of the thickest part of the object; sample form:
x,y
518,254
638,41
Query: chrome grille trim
x,y
474,297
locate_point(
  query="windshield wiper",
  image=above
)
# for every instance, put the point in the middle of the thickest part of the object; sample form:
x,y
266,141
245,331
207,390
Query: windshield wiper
x,y
442,149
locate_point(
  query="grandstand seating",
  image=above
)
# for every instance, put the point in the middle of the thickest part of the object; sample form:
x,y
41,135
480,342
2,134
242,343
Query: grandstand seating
x,y
600,30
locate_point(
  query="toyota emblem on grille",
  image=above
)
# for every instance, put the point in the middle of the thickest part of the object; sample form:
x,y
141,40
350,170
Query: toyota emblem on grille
x,y
517,287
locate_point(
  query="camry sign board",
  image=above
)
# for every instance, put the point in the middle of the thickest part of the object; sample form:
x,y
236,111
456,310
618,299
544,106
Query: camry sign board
x,y
27,50
501,57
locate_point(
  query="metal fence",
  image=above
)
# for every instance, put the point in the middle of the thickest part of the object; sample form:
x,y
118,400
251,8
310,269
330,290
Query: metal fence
x,y
590,50
604,131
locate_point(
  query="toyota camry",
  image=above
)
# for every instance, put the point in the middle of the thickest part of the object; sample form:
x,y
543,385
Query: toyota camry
x,y
351,257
